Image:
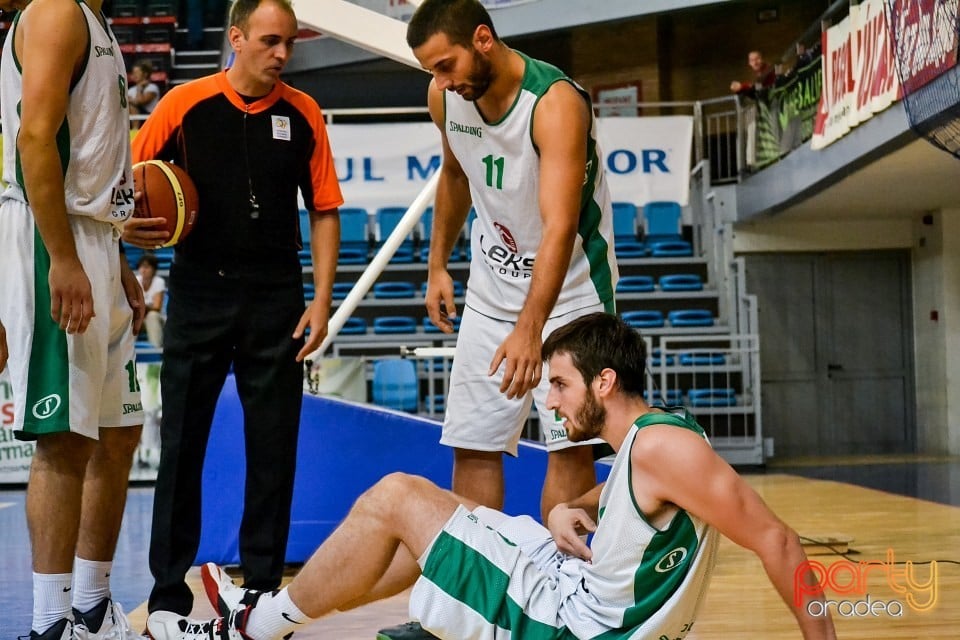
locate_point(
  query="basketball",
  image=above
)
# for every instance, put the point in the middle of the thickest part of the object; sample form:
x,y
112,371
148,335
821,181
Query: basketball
x,y
169,193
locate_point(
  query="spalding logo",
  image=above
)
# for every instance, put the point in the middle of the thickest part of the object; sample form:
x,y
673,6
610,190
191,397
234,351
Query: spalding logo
x,y
671,560
506,236
46,406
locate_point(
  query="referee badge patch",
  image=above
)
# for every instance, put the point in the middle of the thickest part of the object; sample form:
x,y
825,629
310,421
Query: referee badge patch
x,y
281,127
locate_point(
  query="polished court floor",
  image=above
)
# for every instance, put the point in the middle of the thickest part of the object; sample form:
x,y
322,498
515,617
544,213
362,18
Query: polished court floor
x,y
910,505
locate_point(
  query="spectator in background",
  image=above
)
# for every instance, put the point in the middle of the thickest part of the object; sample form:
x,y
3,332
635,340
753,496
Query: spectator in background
x,y
143,95
764,76
154,288
250,142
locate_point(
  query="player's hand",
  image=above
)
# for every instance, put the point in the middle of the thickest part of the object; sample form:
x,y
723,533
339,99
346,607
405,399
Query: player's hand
x,y
735,86
439,300
521,351
71,298
3,348
134,293
315,316
146,233
566,525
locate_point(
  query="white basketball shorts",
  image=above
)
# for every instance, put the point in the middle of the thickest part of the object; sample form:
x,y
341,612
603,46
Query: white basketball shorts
x,y
481,418
63,382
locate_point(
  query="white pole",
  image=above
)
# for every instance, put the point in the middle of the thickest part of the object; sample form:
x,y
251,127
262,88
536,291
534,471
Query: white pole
x,y
379,263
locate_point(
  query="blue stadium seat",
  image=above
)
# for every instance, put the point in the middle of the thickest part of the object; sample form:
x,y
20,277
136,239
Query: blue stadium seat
x,y
690,318
394,324
395,384
635,284
309,292
342,289
712,397
656,359
354,236
354,326
305,228
645,319
681,282
458,289
394,289
429,327
467,234
702,359
662,221
667,397
387,220
670,248
626,243
437,403
164,258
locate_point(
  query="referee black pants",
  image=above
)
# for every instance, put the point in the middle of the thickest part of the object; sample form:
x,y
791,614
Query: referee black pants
x,y
212,322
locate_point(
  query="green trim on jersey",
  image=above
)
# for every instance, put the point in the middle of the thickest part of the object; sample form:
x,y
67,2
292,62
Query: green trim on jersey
x,y
46,406
468,577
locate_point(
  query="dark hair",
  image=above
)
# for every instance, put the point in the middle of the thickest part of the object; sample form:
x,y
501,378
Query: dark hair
x,y
150,259
458,19
601,341
145,66
240,11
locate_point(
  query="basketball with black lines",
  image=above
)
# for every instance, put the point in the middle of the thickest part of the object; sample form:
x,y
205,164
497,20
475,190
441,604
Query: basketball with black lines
x,y
168,193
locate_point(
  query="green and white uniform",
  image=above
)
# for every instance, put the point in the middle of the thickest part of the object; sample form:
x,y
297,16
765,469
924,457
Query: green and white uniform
x,y
489,576
502,165
79,382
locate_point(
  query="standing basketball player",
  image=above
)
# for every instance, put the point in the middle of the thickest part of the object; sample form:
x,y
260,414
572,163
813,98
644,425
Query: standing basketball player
x,y
249,142
519,144
71,302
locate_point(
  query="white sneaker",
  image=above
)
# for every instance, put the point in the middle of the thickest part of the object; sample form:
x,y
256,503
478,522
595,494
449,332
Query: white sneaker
x,y
106,621
222,592
167,625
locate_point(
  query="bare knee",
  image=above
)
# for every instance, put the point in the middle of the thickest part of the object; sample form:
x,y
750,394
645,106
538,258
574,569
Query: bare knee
x,y
66,453
119,443
395,497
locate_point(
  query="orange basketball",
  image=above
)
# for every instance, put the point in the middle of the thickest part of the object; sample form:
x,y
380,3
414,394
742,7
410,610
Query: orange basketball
x,y
169,193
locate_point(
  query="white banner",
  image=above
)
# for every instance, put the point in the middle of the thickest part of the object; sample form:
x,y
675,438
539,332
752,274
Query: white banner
x,y
859,73
15,456
382,165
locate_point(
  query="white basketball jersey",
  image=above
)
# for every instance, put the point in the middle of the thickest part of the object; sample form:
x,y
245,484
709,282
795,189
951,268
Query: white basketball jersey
x,y
503,168
94,139
643,581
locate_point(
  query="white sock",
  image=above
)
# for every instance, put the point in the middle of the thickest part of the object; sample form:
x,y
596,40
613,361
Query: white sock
x,y
91,583
51,599
275,616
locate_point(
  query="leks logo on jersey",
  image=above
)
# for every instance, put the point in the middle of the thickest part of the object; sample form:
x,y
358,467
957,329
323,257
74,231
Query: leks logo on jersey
x,y
671,560
506,237
47,406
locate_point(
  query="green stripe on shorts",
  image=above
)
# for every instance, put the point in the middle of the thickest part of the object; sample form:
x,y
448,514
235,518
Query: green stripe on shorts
x,y
47,403
467,576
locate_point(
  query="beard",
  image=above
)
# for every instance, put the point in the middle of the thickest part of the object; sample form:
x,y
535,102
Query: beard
x,y
479,80
590,418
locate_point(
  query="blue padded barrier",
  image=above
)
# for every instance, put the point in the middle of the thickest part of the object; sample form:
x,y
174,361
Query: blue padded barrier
x,y
344,449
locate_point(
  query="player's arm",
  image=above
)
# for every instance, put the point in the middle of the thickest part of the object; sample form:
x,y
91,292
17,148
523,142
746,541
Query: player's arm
x,y
569,520
155,140
450,211
324,250
50,45
563,159
662,456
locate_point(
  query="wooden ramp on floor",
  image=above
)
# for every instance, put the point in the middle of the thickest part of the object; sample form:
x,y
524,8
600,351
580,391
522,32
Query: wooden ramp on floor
x,y
741,602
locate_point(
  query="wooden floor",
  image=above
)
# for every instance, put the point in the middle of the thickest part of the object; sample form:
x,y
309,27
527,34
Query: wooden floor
x,y
742,603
